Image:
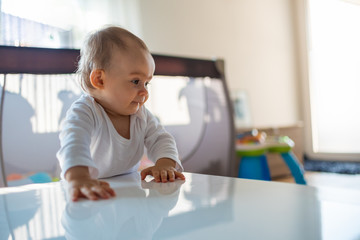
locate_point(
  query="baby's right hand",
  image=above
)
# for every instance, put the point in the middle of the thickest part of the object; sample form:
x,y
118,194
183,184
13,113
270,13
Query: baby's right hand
x,y
81,185
89,188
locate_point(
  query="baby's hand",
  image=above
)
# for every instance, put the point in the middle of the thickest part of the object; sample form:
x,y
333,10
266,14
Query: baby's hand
x,y
163,171
90,188
80,185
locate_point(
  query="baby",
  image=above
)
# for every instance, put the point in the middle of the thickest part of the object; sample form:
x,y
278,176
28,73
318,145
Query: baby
x,y
105,130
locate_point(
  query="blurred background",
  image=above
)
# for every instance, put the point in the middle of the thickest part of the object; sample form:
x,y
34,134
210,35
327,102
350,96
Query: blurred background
x,y
292,64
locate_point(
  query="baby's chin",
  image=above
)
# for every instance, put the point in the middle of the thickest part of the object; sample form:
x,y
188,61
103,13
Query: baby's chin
x,y
136,108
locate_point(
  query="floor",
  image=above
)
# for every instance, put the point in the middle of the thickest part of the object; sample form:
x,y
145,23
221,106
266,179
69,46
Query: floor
x,y
332,180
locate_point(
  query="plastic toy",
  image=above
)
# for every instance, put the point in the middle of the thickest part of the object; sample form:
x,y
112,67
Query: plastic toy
x,y
251,137
252,148
16,179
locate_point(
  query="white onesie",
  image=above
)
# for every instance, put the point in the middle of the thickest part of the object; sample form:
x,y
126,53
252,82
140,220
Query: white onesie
x,y
88,138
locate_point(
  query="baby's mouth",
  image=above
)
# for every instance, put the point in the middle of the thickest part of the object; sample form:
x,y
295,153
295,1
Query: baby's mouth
x,y
139,102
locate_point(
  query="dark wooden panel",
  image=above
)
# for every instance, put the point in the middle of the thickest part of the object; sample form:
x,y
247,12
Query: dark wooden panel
x,y
61,61
37,60
181,66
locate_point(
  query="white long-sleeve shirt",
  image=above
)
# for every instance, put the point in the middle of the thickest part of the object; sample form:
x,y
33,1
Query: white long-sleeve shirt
x,y
88,138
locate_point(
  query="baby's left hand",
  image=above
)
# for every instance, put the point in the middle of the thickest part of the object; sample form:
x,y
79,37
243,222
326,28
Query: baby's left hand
x,y
163,171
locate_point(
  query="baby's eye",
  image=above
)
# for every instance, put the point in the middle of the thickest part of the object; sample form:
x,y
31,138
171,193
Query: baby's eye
x,y
136,81
147,84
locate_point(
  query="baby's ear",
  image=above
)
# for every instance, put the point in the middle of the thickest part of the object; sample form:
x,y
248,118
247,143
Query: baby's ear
x,y
97,78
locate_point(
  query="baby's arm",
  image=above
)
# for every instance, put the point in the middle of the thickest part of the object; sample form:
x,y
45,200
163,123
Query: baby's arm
x,y
163,171
81,185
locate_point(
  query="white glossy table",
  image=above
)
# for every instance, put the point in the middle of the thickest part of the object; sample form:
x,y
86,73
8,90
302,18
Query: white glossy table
x,y
202,207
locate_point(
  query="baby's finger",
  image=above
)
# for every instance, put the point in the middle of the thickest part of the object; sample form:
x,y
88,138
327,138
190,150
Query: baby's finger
x,y
74,194
164,176
144,173
101,192
179,175
156,176
110,191
171,176
88,193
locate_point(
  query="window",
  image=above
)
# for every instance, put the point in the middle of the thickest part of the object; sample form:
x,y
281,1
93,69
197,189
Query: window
x,y
334,78
61,23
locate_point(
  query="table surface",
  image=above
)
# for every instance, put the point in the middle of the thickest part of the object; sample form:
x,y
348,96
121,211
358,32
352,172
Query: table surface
x,y
202,207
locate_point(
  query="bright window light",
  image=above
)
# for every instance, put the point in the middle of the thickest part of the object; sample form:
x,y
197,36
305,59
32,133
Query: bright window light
x,y
335,75
167,100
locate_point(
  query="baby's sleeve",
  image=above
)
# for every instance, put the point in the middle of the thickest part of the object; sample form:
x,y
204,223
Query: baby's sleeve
x,y
75,139
159,143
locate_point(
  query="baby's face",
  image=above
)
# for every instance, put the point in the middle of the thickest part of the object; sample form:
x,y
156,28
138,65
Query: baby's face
x,y
126,83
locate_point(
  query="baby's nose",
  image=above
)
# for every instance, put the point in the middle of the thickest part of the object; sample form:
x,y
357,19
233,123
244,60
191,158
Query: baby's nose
x,y
143,91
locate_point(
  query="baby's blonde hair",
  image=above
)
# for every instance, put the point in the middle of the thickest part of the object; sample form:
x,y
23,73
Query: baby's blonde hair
x,y
97,51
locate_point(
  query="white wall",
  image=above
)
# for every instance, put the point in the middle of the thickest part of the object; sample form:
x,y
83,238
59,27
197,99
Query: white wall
x,y
255,37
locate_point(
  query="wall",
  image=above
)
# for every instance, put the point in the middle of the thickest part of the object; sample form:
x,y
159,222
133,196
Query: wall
x,y
255,37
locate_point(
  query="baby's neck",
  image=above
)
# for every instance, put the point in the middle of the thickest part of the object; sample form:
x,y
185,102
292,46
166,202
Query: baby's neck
x,y
121,124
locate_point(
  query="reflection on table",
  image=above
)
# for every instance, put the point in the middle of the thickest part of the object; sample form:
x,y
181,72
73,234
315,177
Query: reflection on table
x,y
202,207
